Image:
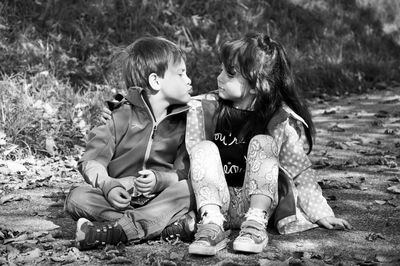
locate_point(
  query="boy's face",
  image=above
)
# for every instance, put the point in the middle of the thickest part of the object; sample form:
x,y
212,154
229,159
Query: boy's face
x,y
176,85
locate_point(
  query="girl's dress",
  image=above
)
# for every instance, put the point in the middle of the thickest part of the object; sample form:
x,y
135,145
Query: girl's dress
x,y
298,202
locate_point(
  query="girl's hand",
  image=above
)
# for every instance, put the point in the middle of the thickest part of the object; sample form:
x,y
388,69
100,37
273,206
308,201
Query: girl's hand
x,y
334,223
146,182
105,115
119,198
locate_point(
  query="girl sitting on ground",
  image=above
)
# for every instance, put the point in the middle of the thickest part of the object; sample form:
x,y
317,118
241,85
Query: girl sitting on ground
x,y
254,169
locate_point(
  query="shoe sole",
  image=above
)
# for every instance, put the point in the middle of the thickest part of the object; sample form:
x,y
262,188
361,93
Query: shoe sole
x,y
207,250
249,248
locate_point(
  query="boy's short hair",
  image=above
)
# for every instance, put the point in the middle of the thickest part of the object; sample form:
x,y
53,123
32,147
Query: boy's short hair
x,y
148,55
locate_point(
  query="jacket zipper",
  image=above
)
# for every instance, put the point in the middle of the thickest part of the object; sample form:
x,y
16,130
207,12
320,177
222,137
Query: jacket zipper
x,y
153,132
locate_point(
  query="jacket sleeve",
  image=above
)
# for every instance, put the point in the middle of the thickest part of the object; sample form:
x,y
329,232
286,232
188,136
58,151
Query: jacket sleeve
x,y
295,162
180,172
99,151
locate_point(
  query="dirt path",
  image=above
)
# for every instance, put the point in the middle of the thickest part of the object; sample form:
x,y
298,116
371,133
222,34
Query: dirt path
x,y
358,158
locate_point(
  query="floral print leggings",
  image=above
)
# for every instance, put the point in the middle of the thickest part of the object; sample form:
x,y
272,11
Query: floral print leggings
x,y
261,178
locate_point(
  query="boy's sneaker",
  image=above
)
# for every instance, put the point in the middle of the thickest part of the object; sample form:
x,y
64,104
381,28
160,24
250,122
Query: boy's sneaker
x,y
90,236
209,239
252,238
183,229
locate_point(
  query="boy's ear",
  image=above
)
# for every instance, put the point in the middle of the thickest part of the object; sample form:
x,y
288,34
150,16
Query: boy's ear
x,y
154,81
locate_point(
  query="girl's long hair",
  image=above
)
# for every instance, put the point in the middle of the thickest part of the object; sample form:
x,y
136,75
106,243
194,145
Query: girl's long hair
x,y
264,63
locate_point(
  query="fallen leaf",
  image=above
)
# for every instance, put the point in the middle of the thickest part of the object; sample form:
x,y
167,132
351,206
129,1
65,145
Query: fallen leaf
x,y
390,131
390,101
10,149
335,145
13,253
381,202
358,186
22,237
382,258
122,260
394,189
374,236
12,197
394,179
351,163
15,167
321,163
64,259
336,128
382,114
392,203
331,198
372,152
174,255
330,112
377,123
29,256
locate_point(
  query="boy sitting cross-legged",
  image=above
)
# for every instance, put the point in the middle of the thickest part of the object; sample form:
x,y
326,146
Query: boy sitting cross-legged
x,y
140,151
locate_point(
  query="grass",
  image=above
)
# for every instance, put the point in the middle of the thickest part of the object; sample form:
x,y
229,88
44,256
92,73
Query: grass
x,y
57,56
42,109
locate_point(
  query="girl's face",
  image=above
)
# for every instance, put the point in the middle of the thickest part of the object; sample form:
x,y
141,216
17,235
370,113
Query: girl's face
x,y
235,88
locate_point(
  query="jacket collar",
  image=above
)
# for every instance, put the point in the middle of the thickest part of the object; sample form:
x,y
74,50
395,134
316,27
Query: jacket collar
x,y
294,115
137,95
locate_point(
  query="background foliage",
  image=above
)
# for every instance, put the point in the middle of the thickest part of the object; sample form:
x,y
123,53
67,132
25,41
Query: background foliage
x,y
57,64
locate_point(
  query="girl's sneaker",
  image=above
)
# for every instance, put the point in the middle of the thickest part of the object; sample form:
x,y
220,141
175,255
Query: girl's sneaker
x,y
90,236
252,238
209,239
183,229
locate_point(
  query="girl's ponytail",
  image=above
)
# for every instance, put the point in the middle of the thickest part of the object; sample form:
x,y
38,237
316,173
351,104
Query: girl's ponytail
x,y
291,96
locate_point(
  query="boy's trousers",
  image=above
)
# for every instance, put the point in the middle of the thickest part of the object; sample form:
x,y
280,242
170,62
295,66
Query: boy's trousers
x,y
140,223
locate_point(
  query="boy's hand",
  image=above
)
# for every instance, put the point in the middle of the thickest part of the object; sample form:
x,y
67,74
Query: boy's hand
x,y
334,223
105,115
146,182
128,182
119,198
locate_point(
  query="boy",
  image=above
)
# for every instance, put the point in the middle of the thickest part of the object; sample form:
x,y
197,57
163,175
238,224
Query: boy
x,y
140,150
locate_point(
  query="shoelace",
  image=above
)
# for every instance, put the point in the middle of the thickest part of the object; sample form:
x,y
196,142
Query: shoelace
x,y
257,215
175,229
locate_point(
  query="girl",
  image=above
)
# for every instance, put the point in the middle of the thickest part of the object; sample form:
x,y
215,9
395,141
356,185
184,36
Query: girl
x,y
254,168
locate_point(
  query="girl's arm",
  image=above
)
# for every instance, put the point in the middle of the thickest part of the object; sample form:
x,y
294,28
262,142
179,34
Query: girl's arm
x,y
310,199
314,204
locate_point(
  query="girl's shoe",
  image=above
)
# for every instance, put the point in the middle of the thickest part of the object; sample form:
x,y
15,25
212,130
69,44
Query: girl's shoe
x,y
90,236
252,238
209,239
183,229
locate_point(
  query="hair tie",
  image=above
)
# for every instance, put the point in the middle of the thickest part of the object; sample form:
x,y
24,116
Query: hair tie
x,y
265,43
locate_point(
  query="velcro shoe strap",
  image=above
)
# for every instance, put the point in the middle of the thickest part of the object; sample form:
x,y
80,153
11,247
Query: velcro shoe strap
x,y
212,233
252,228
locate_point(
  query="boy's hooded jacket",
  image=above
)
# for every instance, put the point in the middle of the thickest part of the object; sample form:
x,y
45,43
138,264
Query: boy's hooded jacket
x,y
301,203
132,141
